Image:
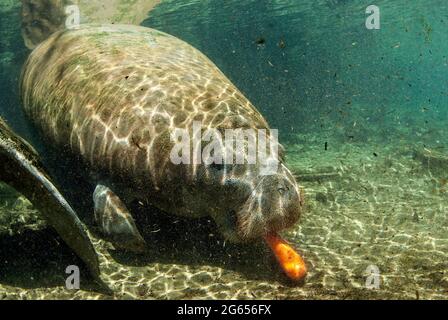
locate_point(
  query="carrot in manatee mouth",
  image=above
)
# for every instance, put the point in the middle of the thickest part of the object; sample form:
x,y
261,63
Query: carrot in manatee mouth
x,y
290,261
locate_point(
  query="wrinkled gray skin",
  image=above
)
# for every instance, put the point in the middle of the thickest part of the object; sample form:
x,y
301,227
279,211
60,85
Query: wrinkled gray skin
x,y
20,168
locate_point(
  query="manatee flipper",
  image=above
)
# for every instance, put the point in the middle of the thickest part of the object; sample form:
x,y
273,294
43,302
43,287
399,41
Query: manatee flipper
x,y
20,167
115,221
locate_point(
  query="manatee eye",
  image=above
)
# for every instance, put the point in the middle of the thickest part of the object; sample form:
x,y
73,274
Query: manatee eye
x,y
282,189
217,166
221,167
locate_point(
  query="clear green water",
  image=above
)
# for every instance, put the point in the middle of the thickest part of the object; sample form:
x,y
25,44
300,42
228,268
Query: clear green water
x,y
363,115
318,56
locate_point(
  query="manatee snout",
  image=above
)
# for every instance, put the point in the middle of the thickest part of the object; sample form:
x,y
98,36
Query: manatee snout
x,y
274,204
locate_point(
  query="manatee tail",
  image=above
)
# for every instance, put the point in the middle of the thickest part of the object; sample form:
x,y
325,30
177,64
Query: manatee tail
x,y
21,169
41,18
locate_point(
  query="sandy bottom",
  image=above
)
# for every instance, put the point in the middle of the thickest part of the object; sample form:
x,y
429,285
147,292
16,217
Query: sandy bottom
x,y
366,206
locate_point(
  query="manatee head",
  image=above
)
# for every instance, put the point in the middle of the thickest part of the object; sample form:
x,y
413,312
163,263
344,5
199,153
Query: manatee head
x,y
249,205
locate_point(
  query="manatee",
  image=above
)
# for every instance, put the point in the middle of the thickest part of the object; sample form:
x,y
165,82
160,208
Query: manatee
x,y
21,168
113,96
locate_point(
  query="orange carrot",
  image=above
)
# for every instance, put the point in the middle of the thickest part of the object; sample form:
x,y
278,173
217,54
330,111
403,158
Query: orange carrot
x,y
290,261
